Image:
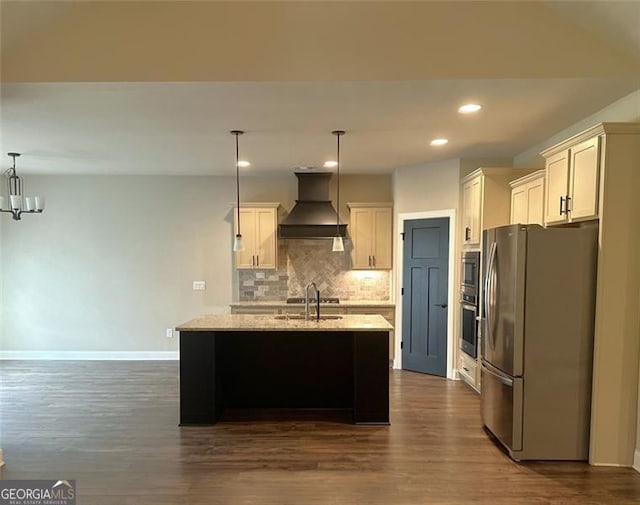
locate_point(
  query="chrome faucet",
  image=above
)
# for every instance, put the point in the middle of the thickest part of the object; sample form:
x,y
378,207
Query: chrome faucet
x,y
306,300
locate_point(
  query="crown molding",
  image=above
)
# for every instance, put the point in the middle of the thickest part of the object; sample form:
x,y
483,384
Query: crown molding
x,y
594,131
528,178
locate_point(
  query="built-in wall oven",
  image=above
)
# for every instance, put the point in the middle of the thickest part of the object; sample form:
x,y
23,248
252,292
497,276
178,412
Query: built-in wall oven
x,y
469,292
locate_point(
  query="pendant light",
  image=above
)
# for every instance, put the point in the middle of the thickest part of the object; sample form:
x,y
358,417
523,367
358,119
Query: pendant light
x,y
19,203
338,244
238,243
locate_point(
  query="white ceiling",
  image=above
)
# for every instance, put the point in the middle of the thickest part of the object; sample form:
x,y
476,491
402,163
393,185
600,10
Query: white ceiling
x,y
536,67
183,128
616,21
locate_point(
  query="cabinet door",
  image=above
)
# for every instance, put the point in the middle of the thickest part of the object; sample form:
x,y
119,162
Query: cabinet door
x,y
389,315
535,202
519,205
469,369
557,178
471,211
382,238
466,212
246,259
583,186
362,237
474,211
266,244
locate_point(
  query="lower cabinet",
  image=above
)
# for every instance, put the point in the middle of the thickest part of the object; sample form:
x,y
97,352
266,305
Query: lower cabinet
x,y
468,368
387,312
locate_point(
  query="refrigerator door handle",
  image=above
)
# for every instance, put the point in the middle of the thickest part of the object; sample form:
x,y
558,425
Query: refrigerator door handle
x,y
488,287
490,370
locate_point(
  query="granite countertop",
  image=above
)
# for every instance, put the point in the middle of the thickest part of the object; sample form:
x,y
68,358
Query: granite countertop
x,y
246,322
345,304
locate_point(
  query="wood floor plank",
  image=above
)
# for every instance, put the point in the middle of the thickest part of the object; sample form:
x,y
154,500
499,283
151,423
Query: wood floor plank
x,y
113,426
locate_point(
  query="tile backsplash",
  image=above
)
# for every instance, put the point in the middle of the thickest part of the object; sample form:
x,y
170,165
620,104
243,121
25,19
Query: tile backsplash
x,y
303,261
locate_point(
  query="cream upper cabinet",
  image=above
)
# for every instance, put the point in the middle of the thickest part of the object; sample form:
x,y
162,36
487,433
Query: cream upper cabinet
x,y
370,228
572,183
519,204
246,257
557,186
583,184
471,210
486,201
259,226
527,199
361,231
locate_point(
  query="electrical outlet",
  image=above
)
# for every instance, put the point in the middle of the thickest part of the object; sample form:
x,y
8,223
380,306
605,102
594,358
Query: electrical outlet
x,y
169,332
199,285
259,275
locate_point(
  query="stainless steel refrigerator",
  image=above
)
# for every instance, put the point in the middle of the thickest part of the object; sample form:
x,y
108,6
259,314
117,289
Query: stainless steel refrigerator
x,y
537,339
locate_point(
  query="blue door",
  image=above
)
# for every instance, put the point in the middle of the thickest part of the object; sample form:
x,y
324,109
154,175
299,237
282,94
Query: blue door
x,y
425,294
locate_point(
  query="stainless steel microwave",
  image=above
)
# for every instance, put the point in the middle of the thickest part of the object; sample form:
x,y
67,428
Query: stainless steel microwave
x,y
470,273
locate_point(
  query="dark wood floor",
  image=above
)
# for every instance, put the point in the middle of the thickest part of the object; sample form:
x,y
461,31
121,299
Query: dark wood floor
x,y
113,426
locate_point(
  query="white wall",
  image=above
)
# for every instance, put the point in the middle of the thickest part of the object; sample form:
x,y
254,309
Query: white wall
x,y
109,265
433,186
2,218
468,165
627,109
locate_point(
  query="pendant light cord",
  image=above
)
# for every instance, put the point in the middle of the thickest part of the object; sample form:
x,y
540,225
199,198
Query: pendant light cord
x,y
237,183
338,196
338,134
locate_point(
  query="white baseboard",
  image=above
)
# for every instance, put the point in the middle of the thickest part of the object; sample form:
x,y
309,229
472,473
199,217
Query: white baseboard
x,y
636,460
611,465
91,355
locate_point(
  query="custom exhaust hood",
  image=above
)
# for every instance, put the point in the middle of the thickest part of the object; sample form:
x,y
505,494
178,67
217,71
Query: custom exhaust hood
x,y
312,216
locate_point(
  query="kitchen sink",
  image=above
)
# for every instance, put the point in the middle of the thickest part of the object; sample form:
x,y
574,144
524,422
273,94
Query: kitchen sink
x,y
299,317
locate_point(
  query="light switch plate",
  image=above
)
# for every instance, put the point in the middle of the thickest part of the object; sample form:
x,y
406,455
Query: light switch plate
x,y
259,275
199,285
169,332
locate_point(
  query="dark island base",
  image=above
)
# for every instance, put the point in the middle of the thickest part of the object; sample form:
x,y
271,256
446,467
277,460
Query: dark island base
x,y
340,416
243,371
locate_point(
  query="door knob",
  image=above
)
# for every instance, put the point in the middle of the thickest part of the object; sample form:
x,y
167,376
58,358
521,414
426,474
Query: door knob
x,y
443,305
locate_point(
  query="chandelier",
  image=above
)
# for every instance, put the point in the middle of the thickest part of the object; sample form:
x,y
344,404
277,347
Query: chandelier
x,y
18,204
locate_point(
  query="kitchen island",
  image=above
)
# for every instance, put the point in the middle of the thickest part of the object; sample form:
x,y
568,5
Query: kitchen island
x,y
266,362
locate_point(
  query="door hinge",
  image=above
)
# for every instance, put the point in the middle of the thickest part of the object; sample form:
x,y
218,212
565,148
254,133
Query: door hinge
x,y
401,345
402,235
401,291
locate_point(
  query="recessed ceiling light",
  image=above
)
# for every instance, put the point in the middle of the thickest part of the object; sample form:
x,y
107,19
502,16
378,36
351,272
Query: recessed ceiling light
x,y
243,164
330,164
469,108
439,142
